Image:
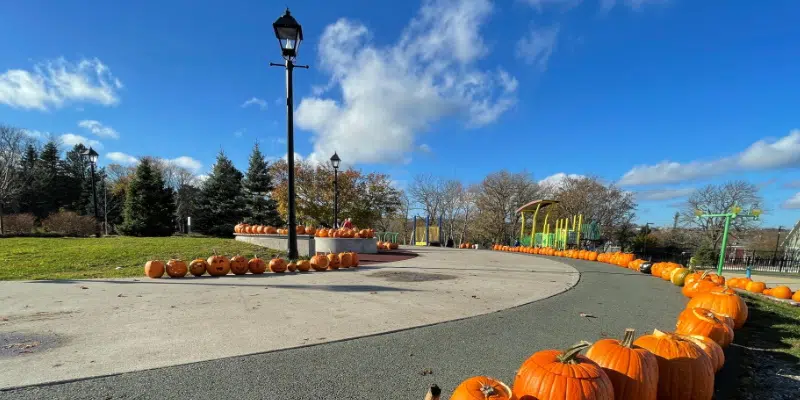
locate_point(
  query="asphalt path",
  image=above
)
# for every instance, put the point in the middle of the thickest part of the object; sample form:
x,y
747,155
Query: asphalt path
x,y
401,365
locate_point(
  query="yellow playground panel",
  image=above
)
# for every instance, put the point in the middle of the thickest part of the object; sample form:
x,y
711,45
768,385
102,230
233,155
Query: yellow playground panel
x,y
426,234
559,237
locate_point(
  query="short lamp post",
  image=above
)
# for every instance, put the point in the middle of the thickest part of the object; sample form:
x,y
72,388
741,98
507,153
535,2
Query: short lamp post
x,y
335,160
91,156
289,34
735,212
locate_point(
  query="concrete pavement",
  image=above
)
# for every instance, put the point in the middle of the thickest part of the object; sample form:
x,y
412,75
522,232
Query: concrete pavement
x,y
401,365
78,329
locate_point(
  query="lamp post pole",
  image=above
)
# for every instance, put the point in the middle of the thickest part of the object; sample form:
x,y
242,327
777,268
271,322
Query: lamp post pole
x,y
335,160
91,155
289,34
735,213
646,234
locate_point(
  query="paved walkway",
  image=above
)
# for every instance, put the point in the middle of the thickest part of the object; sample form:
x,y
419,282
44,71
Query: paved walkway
x,y
60,330
401,365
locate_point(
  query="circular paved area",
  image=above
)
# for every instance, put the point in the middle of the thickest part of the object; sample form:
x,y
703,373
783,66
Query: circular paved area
x,y
61,330
401,365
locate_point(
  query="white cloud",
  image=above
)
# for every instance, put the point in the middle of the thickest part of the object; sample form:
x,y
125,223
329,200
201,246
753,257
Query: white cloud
x,y
239,133
398,91
255,101
98,129
70,139
33,133
536,47
425,148
556,180
187,162
793,202
539,5
761,155
122,158
58,82
634,4
664,194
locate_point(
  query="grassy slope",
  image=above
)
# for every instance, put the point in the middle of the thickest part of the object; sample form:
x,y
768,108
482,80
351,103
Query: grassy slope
x,y
71,258
768,350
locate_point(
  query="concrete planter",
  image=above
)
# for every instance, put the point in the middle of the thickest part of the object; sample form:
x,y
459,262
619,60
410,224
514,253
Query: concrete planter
x,y
305,243
338,245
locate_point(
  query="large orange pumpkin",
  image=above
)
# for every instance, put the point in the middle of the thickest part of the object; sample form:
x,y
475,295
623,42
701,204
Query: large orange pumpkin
x,y
796,296
685,371
198,267
303,265
354,259
482,388
218,265
702,321
711,348
154,269
291,266
562,375
256,266
310,230
781,292
300,229
333,261
756,287
724,318
319,262
177,268
345,260
724,303
633,370
277,265
238,265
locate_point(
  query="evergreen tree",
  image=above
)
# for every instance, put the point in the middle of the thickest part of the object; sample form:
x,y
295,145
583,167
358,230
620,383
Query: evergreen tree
x,y
261,208
76,194
222,204
49,181
29,193
149,203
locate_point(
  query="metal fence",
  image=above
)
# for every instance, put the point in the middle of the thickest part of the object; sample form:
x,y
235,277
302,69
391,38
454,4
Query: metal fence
x,y
764,261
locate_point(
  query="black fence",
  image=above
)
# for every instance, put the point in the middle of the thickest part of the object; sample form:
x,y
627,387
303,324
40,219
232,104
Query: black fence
x,y
764,261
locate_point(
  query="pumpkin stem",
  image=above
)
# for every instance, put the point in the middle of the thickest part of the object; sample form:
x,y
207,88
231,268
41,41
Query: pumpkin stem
x,y
488,390
568,356
627,340
433,393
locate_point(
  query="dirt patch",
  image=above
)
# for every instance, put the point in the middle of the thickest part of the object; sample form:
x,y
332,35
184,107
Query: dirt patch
x,y
14,344
403,276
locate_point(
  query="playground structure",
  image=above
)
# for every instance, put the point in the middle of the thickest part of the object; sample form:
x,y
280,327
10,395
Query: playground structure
x,y
426,235
567,231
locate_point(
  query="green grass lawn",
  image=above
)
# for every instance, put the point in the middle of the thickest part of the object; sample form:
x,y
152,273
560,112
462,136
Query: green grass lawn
x,y
77,258
768,350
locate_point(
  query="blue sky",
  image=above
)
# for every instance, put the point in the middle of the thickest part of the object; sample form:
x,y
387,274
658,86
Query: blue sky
x,y
660,96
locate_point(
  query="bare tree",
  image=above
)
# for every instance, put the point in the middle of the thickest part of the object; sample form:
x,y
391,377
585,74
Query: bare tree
x,y
427,191
606,204
12,177
720,199
451,194
468,207
501,193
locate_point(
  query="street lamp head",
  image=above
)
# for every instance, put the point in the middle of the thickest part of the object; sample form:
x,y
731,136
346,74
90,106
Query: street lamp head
x,y
756,213
335,160
698,212
289,34
90,155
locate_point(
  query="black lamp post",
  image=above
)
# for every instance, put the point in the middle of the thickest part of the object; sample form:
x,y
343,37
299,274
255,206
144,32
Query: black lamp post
x,y
646,233
335,160
91,156
289,34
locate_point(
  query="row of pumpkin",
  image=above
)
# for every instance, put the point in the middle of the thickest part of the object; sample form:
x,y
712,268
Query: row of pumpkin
x,y
678,365
346,233
218,265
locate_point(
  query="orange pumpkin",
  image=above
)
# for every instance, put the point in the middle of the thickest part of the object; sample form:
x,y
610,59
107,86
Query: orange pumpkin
x,y
796,296
237,228
256,266
482,388
319,262
354,259
303,265
345,260
698,286
724,318
723,303
300,229
702,321
310,230
177,268
711,348
633,370
781,292
292,266
685,371
562,375
238,265
756,286
218,265
270,230
333,261
198,267
154,269
277,265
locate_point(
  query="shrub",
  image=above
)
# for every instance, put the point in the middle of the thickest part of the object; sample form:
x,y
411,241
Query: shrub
x,y
69,223
16,224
